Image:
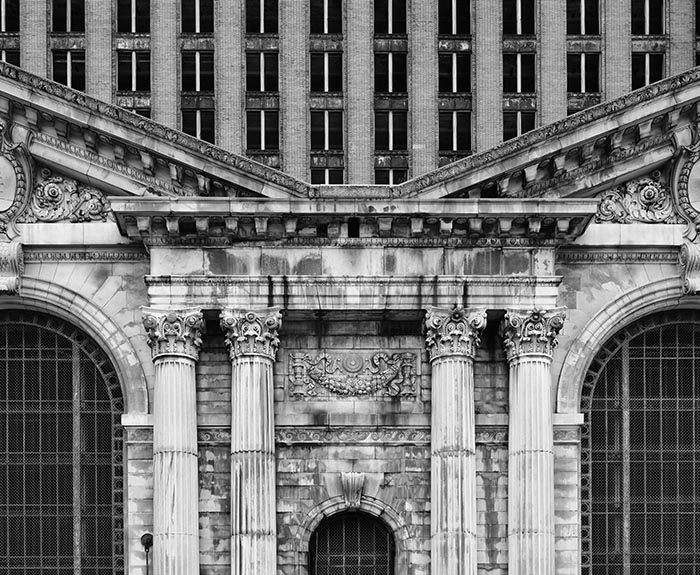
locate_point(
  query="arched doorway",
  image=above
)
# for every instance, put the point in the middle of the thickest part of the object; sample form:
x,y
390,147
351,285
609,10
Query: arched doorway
x,y
61,481
640,461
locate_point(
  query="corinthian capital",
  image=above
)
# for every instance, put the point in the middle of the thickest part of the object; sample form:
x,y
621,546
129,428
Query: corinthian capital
x,y
252,332
453,332
174,332
531,332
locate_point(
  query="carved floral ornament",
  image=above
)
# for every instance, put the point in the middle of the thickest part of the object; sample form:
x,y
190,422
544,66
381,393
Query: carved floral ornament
x,y
252,332
174,332
645,200
453,332
531,332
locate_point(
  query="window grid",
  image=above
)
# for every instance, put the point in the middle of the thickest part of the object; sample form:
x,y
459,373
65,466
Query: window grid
x,y
640,468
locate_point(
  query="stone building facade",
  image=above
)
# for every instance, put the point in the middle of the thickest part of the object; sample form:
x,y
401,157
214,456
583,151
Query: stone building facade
x,y
490,368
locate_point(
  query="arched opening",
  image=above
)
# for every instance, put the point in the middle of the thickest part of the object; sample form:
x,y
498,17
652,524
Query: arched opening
x,y
61,482
351,543
640,461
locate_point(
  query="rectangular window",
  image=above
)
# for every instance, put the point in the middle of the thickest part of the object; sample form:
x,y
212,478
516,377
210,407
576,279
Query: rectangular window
x,y
133,71
390,131
455,131
10,56
583,72
390,177
262,72
326,130
517,123
326,72
198,16
454,17
647,17
326,176
454,72
390,72
646,68
199,123
389,16
582,17
198,71
518,16
262,130
518,73
133,16
326,16
261,16
69,68
9,16
697,18
68,15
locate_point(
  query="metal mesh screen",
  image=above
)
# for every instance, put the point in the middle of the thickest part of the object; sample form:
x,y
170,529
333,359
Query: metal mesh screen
x,y
640,459
351,544
60,451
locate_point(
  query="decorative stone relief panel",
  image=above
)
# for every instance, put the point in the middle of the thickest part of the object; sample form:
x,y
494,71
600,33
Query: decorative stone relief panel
x,y
15,175
645,200
353,374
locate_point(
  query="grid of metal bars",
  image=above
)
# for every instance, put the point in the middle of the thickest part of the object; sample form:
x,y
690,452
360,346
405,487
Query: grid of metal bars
x,y
351,544
640,460
61,486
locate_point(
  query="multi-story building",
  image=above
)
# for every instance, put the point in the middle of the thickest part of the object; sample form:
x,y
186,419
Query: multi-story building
x,y
439,364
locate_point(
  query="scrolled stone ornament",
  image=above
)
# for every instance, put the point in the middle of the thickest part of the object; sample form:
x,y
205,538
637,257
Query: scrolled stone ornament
x,y
253,332
174,332
453,332
531,332
689,259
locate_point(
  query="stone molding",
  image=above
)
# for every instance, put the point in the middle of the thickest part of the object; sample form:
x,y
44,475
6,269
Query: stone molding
x,y
577,255
531,332
353,375
453,332
174,332
294,435
252,332
92,254
11,267
645,200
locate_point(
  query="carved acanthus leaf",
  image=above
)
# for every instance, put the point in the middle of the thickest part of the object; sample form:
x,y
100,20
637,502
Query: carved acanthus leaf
x,y
453,332
252,332
531,332
646,200
174,332
353,375
352,482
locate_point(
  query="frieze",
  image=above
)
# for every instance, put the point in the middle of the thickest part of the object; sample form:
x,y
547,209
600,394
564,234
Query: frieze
x,y
348,435
126,254
617,256
645,200
353,375
567,435
174,332
139,434
214,436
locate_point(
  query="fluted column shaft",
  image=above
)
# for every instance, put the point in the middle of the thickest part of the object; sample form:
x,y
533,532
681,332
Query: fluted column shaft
x,y
175,337
529,339
252,340
452,338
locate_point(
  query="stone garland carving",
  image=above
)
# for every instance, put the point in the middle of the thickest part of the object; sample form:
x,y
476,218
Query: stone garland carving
x,y
453,332
353,375
252,332
343,436
174,332
353,483
531,332
646,200
689,259
11,267
56,198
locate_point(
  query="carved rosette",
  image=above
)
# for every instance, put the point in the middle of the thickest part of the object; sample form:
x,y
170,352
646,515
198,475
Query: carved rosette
x,y
646,200
252,332
174,332
453,332
531,332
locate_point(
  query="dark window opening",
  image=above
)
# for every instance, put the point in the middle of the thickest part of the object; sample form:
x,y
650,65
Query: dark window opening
x,y
133,71
10,16
133,18
262,130
517,123
326,72
454,17
578,23
326,130
583,72
198,71
455,131
646,68
647,17
518,16
199,123
262,72
326,16
454,72
10,56
390,72
389,16
69,68
68,15
518,73
261,23
198,16
390,131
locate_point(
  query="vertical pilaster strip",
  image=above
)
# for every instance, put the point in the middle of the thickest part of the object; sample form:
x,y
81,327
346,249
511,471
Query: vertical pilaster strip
x,y
423,95
175,338
98,49
487,86
33,34
617,58
165,62
681,52
229,81
252,339
360,91
529,339
452,337
294,88
551,88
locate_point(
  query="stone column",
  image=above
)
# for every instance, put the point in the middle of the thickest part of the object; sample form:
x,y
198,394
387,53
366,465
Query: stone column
x,y
529,338
452,337
175,337
251,337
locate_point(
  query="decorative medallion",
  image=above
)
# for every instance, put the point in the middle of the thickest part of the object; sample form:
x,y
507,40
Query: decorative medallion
x,y
252,332
353,374
15,173
174,332
531,332
453,332
646,200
